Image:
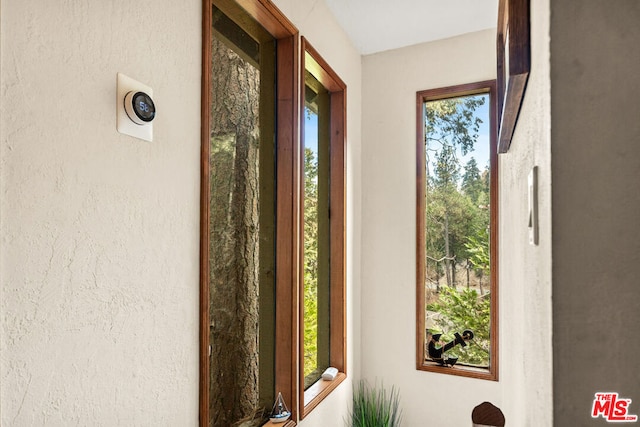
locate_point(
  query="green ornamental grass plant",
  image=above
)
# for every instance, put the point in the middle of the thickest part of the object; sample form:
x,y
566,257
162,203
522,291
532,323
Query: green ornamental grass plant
x,y
375,407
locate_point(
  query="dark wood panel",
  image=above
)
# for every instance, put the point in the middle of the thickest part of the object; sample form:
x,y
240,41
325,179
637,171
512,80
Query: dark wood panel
x,y
513,45
204,215
287,230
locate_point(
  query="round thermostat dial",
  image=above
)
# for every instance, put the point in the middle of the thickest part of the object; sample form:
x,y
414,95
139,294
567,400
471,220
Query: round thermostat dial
x,y
139,107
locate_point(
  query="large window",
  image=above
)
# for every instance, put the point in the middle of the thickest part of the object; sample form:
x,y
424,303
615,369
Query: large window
x,y
272,267
248,205
457,284
323,215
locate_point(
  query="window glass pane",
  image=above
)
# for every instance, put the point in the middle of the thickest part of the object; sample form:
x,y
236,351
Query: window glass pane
x,y
316,231
457,227
242,220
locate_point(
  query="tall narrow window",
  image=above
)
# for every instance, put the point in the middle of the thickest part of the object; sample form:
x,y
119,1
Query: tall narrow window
x,y
242,220
457,234
322,343
247,266
317,256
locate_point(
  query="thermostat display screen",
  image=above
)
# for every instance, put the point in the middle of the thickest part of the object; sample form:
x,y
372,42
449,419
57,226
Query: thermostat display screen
x,y
143,106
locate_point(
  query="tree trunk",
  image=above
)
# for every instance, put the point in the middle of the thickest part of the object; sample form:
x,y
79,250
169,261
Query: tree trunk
x,y
468,274
447,260
234,223
454,281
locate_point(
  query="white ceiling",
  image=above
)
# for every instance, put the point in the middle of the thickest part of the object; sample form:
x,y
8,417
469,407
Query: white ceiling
x,y
377,25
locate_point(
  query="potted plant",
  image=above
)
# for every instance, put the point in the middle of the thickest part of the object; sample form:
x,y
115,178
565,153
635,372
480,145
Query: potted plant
x,y
375,407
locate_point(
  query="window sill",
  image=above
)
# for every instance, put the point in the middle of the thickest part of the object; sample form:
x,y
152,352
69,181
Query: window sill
x,y
318,391
289,423
460,370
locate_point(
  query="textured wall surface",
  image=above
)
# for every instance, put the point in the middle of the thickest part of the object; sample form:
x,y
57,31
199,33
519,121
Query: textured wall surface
x,y
100,231
525,270
99,262
389,232
595,105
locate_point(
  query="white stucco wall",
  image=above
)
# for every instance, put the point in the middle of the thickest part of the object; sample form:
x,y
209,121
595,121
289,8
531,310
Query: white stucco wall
x,y
99,279
390,82
525,270
100,232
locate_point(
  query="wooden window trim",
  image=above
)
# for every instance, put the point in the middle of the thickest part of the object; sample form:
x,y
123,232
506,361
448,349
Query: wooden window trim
x,y
287,209
430,95
513,41
337,353
289,423
318,391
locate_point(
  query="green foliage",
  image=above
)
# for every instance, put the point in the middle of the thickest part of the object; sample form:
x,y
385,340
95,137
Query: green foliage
x,y
310,262
465,309
450,215
472,183
453,122
375,407
447,168
457,206
310,325
457,222
478,250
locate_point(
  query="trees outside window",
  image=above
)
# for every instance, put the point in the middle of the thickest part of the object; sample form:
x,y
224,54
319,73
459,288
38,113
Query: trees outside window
x,y
272,218
242,222
248,299
323,287
457,235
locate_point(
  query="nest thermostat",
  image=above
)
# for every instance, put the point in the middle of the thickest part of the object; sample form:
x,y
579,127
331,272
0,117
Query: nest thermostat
x,y
139,107
135,108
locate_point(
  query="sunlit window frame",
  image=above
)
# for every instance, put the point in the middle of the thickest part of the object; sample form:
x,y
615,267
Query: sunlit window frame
x,y
321,70
483,87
